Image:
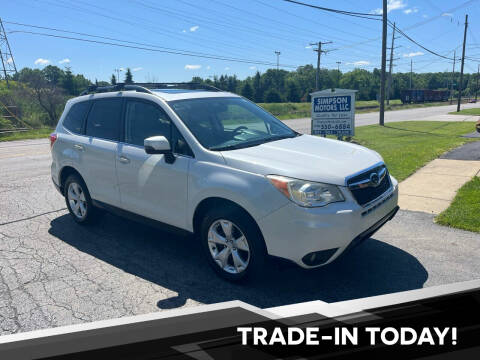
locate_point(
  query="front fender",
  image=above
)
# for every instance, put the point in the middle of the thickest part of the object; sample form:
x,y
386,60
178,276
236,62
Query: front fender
x,y
253,192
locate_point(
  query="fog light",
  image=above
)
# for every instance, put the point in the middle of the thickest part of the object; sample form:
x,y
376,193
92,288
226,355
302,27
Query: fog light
x,y
318,257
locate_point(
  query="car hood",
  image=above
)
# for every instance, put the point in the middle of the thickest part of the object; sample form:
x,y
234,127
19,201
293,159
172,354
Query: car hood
x,y
304,157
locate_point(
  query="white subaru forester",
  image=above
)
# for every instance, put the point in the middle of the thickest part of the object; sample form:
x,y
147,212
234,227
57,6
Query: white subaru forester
x,y
212,163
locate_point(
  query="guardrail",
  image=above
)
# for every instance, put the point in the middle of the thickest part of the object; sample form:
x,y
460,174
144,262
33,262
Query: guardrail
x,y
8,131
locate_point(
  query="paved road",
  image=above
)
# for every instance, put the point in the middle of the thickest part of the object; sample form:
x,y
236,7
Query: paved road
x,y
469,151
54,272
434,113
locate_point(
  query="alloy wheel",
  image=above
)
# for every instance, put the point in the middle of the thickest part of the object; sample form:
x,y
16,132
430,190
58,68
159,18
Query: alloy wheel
x,y
228,246
77,200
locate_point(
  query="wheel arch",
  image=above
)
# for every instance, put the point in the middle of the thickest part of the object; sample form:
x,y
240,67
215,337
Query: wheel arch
x,y
66,171
217,202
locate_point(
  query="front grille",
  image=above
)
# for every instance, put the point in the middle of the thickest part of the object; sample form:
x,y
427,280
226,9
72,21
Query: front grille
x,y
369,192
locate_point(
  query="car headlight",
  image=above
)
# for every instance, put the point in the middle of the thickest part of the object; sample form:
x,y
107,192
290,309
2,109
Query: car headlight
x,y
306,193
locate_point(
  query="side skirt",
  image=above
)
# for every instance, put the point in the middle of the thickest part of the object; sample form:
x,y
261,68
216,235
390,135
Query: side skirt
x,y
142,219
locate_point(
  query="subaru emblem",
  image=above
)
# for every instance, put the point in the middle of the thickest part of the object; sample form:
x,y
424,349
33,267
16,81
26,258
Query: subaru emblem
x,y
374,179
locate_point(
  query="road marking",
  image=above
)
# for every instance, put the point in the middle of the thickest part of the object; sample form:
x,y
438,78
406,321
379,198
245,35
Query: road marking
x,y
9,156
23,154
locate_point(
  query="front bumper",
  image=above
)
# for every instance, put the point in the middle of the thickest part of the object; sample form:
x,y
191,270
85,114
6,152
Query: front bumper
x,y
296,233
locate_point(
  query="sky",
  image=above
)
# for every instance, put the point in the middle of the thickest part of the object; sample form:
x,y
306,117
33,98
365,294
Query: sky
x,y
247,30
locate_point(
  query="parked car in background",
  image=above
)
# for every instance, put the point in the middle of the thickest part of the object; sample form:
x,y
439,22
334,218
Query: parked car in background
x,y
423,95
201,161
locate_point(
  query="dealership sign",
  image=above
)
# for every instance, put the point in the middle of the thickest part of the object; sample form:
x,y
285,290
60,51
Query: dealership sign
x,y
333,112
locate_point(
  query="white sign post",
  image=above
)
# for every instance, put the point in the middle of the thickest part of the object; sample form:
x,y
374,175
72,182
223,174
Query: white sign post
x,y
333,112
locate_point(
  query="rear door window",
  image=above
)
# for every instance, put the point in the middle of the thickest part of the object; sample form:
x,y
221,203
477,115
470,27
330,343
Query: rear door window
x,y
76,116
104,119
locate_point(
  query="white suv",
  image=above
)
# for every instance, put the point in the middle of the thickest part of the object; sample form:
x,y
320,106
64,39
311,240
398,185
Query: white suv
x,y
215,164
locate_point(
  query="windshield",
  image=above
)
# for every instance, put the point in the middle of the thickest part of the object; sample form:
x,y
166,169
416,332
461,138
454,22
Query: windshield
x,y
229,123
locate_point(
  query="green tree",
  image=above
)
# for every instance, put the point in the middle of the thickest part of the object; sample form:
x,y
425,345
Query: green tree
x,y
361,80
292,92
128,77
257,88
232,83
272,96
247,91
53,74
222,82
68,82
80,83
50,97
113,80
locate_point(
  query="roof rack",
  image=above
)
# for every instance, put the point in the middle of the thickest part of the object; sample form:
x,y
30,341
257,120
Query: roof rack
x,y
180,85
117,87
146,87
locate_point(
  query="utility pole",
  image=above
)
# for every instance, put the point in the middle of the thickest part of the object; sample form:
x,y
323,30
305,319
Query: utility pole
x,y
461,66
319,54
118,75
411,73
338,72
476,86
384,64
389,84
277,80
6,56
453,76
278,58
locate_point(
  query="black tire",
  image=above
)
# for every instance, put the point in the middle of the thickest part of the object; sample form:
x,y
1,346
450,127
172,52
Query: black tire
x,y
254,238
93,213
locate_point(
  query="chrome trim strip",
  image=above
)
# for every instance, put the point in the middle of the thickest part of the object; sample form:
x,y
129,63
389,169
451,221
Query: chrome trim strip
x,y
368,182
363,171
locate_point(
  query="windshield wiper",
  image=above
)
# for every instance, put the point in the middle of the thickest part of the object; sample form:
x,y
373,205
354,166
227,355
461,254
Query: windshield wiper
x,y
279,137
229,147
252,143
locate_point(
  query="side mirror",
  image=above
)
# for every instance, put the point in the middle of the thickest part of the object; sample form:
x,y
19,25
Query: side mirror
x,y
159,145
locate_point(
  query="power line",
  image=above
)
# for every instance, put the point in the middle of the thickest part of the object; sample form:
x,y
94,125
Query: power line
x,y
177,52
342,12
416,24
135,24
334,28
323,25
202,21
417,43
182,16
100,37
452,10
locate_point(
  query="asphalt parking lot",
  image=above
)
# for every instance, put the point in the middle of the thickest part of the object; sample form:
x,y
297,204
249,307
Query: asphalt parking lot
x,y
54,272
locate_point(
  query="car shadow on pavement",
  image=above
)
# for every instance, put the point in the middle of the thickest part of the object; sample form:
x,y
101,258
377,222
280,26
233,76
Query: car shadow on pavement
x,y
177,263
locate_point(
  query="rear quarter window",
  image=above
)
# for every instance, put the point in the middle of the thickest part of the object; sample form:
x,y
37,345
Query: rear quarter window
x,y
76,117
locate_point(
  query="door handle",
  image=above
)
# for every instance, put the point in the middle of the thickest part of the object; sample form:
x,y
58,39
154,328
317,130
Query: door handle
x,y
124,160
78,147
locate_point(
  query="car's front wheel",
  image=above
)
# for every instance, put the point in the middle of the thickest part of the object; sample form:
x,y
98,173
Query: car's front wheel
x,y
232,243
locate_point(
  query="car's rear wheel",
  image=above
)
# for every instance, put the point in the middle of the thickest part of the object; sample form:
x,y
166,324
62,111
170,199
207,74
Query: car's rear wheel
x,y
79,202
232,243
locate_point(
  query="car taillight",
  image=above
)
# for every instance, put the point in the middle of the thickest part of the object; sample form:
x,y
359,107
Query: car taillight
x,y
53,138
